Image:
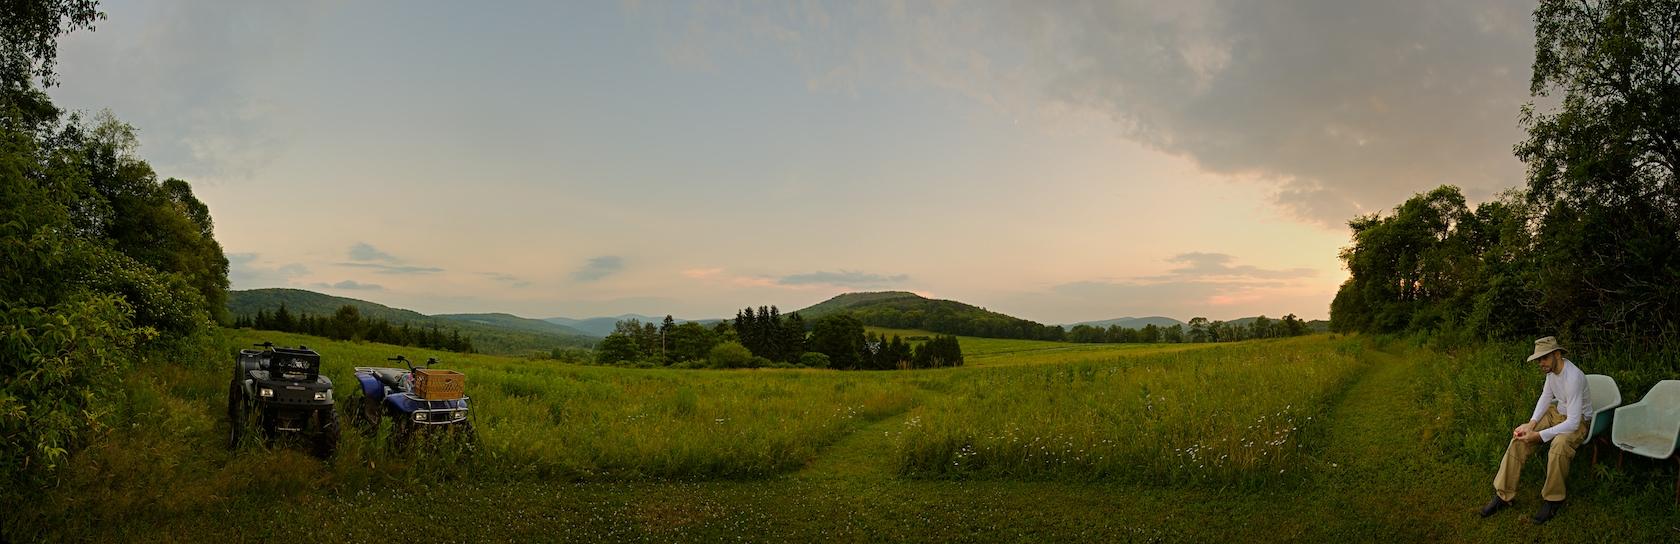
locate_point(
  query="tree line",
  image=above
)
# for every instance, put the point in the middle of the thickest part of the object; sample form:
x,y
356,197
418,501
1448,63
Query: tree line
x,y
958,319
105,265
347,323
1589,248
765,338
1200,329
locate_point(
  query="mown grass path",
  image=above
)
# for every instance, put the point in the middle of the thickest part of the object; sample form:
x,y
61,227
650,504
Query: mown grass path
x,y
860,455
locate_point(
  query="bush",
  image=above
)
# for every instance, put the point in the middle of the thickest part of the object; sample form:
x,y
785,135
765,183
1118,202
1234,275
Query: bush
x,y
58,371
729,355
813,359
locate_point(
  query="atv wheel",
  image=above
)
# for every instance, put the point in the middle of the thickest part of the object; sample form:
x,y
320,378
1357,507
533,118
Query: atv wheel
x,y
269,426
326,433
364,413
402,433
466,436
236,414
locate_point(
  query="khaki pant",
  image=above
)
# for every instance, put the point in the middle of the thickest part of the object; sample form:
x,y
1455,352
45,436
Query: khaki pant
x,y
1557,461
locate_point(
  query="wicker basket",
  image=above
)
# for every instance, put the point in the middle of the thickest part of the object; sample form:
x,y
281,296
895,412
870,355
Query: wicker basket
x,y
439,384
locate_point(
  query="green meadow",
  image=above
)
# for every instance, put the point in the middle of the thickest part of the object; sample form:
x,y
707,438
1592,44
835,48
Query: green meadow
x,y
1309,438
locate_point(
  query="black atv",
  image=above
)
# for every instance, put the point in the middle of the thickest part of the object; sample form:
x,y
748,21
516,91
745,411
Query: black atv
x,y
282,390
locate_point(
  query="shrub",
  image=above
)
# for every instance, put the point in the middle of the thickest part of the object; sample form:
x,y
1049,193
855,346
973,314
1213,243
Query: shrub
x,y
58,371
813,359
729,355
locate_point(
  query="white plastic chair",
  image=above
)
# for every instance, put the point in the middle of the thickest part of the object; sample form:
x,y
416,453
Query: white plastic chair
x,y
1651,426
1605,398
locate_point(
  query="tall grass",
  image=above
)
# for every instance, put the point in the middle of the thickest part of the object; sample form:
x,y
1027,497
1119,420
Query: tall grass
x,y
554,420
983,352
1480,393
1214,414
1242,413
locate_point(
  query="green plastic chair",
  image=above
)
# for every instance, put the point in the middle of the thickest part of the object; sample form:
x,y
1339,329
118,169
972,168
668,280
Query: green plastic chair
x,y
1605,398
1651,426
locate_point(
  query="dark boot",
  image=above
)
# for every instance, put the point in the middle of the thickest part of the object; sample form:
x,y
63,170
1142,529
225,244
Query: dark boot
x,y
1494,506
1547,510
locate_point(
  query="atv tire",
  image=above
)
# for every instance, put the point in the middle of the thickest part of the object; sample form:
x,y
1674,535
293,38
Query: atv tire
x,y
326,433
364,413
403,433
236,414
466,436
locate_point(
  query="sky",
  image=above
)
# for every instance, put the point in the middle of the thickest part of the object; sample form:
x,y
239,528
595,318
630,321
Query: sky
x,y
1056,161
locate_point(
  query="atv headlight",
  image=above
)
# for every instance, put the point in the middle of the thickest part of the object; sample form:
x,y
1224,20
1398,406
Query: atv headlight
x,y
266,392
419,416
460,414
323,395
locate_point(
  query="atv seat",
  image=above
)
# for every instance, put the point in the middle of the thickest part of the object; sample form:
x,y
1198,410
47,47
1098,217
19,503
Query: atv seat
x,y
390,376
254,359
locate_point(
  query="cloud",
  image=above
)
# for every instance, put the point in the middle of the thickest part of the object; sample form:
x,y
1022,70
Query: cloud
x,y
509,279
245,272
362,251
1346,106
199,77
351,285
844,278
1200,284
702,273
394,268
1340,107
598,268
363,255
1218,265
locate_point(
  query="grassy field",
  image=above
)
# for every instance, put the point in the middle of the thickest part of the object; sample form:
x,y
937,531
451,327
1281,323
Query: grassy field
x,y
1006,352
1236,414
1311,439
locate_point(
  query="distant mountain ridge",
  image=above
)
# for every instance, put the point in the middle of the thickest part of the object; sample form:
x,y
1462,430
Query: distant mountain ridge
x,y
491,333
1317,325
1130,322
602,326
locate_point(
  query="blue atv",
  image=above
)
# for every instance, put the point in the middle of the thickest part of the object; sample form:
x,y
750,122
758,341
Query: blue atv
x,y
281,390
417,400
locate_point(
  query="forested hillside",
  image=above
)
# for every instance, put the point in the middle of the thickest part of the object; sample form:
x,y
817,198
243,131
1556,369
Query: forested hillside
x,y
489,333
902,310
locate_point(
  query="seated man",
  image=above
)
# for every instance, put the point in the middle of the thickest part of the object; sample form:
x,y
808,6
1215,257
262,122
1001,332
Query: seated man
x,y
1564,426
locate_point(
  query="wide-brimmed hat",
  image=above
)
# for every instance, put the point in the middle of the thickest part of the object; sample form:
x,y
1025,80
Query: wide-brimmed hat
x,y
1545,345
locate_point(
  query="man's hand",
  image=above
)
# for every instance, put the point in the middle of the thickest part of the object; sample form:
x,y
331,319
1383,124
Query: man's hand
x,y
1523,429
1530,437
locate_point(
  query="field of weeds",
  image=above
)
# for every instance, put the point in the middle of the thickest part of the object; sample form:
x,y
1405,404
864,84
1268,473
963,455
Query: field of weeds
x,y
1243,413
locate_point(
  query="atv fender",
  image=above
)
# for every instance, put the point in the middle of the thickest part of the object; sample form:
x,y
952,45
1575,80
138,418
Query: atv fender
x,y
371,388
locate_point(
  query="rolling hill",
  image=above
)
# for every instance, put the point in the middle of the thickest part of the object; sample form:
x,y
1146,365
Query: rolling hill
x,y
491,333
1317,325
902,310
1130,322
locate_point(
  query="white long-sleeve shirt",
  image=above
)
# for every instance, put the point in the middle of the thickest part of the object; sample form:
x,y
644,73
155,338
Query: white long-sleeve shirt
x,y
1569,389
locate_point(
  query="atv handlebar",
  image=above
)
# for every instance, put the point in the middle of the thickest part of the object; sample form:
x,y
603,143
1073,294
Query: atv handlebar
x,y
264,345
404,360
